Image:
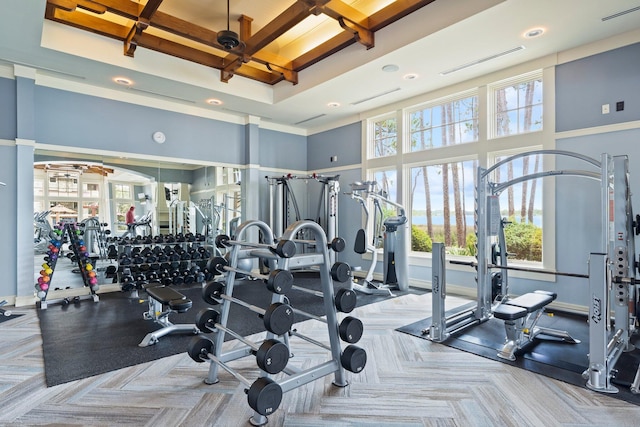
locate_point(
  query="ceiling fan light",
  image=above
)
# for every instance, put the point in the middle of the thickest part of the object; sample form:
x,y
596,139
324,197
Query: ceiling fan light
x,y
228,39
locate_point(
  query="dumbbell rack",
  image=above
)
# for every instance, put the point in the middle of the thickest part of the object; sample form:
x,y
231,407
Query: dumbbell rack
x,y
267,388
138,262
84,266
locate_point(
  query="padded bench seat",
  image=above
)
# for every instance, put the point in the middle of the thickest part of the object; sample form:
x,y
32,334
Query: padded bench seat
x,y
520,317
163,301
521,306
168,296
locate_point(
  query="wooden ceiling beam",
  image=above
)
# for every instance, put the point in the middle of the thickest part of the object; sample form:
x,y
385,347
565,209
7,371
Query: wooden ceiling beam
x,y
90,23
282,23
92,6
66,5
395,11
124,8
178,50
337,9
141,24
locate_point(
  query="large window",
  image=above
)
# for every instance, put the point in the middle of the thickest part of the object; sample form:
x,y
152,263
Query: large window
x,y
521,206
442,205
384,137
517,106
442,144
448,123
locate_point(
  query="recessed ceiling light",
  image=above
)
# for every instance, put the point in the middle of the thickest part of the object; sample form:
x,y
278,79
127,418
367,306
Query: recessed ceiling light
x,y
123,81
390,68
214,101
333,104
534,32
410,76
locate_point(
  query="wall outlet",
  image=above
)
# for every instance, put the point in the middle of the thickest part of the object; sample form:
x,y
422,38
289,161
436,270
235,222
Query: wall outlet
x,y
605,108
334,158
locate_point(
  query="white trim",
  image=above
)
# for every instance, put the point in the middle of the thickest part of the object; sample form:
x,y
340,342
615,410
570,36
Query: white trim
x,y
597,130
6,72
132,156
26,72
29,142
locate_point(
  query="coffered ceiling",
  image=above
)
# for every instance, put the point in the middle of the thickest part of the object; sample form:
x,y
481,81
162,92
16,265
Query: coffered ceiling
x,y
350,58
269,41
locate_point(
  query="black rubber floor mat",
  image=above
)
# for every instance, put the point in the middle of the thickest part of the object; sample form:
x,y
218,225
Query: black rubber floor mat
x,y
86,339
558,360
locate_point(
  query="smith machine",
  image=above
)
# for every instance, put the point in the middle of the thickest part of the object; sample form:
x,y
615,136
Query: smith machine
x,y
393,231
612,283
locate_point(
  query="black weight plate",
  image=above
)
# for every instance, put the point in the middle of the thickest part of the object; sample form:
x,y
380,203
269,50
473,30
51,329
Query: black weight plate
x,y
272,356
280,281
212,291
353,358
350,330
264,396
206,319
199,347
345,300
340,272
278,318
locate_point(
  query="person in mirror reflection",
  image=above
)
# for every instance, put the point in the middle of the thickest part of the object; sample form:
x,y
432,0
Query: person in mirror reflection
x,y
130,219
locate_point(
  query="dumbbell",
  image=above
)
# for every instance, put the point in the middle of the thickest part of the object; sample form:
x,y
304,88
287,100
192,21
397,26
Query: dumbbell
x,y
278,281
277,318
272,356
345,299
284,248
264,395
352,358
350,329
337,244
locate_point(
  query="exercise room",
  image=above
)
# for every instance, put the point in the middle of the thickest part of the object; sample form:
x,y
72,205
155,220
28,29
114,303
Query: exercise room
x,y
320,213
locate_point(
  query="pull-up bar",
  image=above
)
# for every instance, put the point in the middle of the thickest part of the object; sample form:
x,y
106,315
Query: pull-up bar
x,y
530,270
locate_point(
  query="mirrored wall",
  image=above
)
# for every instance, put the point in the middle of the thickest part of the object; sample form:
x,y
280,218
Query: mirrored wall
x,y
165,198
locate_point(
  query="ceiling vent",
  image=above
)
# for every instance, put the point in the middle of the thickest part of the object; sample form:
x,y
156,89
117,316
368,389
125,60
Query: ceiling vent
x,y
619,14
480,61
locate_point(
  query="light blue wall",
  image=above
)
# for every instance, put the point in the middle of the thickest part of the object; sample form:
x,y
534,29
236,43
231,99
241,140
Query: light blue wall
x,y
344,142
286,151
8,109
71,119
584,85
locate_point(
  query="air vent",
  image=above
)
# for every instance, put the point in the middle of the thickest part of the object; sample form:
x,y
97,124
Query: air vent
x,y
375,96
149,92
309,119
619,14
480,61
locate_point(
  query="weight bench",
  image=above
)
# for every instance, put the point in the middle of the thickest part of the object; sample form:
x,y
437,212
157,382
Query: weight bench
x,y
162,302
520,316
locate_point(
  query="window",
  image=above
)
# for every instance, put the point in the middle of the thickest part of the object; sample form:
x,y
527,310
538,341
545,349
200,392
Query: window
x,y
91,189
387,183
122,191
442,206
517,106
521,205
385,137
442,142
63,184
449,123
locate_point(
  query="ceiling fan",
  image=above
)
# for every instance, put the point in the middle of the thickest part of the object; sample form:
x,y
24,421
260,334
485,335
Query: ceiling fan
x,y
228,39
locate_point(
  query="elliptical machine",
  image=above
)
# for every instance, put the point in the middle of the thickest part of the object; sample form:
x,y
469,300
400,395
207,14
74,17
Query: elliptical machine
x,y
392,231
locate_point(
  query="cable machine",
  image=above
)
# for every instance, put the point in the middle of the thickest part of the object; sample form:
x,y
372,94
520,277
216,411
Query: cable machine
x,y
392,232
284,209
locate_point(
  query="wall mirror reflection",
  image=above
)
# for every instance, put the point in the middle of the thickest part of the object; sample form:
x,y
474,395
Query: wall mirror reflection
x,y
114,200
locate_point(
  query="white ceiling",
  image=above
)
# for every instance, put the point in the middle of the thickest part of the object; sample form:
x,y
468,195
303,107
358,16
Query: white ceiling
x,y
438,37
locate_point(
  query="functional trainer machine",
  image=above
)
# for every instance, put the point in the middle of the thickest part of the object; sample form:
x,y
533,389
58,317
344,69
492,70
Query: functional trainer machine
x,y
284,209
393,232
612,283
